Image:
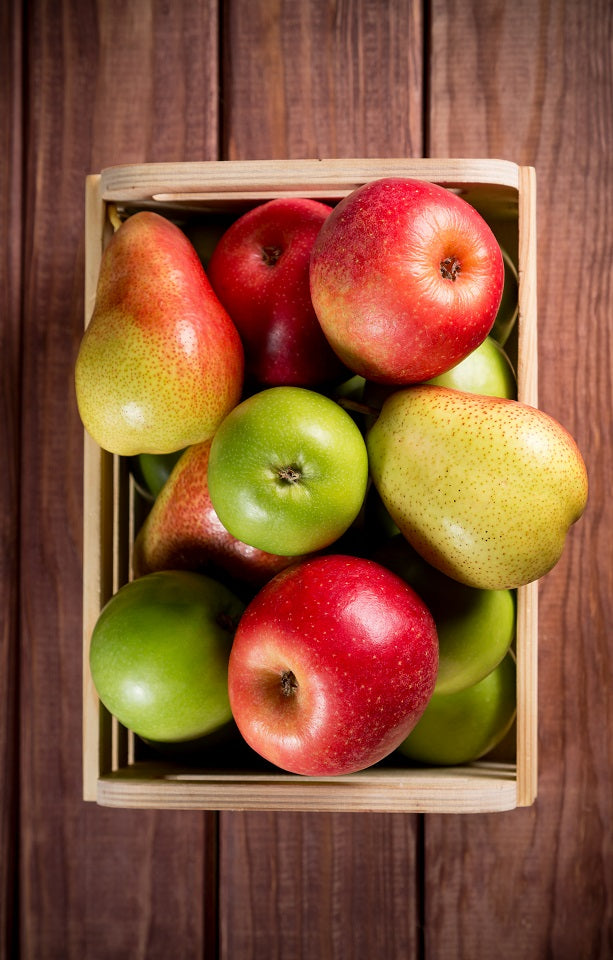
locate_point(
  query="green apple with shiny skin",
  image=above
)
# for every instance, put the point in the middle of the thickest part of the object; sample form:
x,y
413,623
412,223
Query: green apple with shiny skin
x,y
484,488
461,727
475,627
288,471
159,655
487,370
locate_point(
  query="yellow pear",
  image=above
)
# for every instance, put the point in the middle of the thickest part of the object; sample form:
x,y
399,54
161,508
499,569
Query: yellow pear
x,y
484,488
160,363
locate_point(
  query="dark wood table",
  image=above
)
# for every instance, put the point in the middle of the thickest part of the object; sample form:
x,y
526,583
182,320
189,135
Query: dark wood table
x,y
86,85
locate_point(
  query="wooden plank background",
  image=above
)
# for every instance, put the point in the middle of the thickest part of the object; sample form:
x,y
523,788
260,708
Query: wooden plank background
x,y
86,84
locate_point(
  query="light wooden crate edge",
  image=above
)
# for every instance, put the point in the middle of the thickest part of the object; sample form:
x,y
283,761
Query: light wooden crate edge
x,y
109,787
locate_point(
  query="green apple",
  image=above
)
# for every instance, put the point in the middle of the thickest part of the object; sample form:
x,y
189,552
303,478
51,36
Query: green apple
x,y
487,370
151,470
475,627
351,389
288,471
460,727
159,655
508,309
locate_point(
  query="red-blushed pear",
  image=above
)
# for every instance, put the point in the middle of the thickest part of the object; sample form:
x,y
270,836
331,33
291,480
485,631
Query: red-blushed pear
x,y
260,272
484,488
406,279
332,665
183,532
160,363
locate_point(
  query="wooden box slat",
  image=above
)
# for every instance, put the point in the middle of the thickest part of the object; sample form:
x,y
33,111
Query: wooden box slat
x,y
505,194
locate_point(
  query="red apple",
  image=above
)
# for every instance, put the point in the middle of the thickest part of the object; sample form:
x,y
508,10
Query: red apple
x,y
332,665
406,280
183,532
260,272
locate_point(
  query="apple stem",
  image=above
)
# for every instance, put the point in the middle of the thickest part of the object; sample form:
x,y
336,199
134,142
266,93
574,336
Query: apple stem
x,y
270,255
450,268
289,684
289,474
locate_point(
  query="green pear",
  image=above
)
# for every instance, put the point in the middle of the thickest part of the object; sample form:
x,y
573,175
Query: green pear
x,y
160,363
484,488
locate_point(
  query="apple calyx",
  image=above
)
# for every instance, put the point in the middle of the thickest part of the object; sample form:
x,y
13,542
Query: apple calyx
x,y
270,255
289,684
450,268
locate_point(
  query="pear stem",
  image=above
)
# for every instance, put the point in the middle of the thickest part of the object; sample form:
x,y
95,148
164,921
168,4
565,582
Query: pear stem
x,y
114,217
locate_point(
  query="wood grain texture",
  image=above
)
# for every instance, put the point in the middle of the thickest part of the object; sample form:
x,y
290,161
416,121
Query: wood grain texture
x,y
103,84
533,83
322,79
11,126
297,886
119,81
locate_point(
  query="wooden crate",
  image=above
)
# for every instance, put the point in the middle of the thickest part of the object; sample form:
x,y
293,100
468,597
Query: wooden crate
x,y
114,773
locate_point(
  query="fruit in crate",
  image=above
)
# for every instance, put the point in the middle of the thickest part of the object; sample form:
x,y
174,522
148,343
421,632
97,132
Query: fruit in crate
x,y
159,655
475,627
506,318
260,272
288,471
485,489
406,280
461,727
332,665
152,470
486,370
160,363
183,532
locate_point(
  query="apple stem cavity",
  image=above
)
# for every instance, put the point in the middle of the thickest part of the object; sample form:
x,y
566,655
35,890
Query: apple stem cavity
x,y
290,474
289,684
270,255
450,268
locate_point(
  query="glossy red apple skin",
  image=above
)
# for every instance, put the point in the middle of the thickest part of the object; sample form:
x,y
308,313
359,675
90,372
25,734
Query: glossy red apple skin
x,y
183,532
332,663
406,279
260,272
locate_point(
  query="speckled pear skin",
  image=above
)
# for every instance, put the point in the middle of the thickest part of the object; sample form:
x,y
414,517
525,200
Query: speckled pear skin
x,y
160,363
183,532
484,488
